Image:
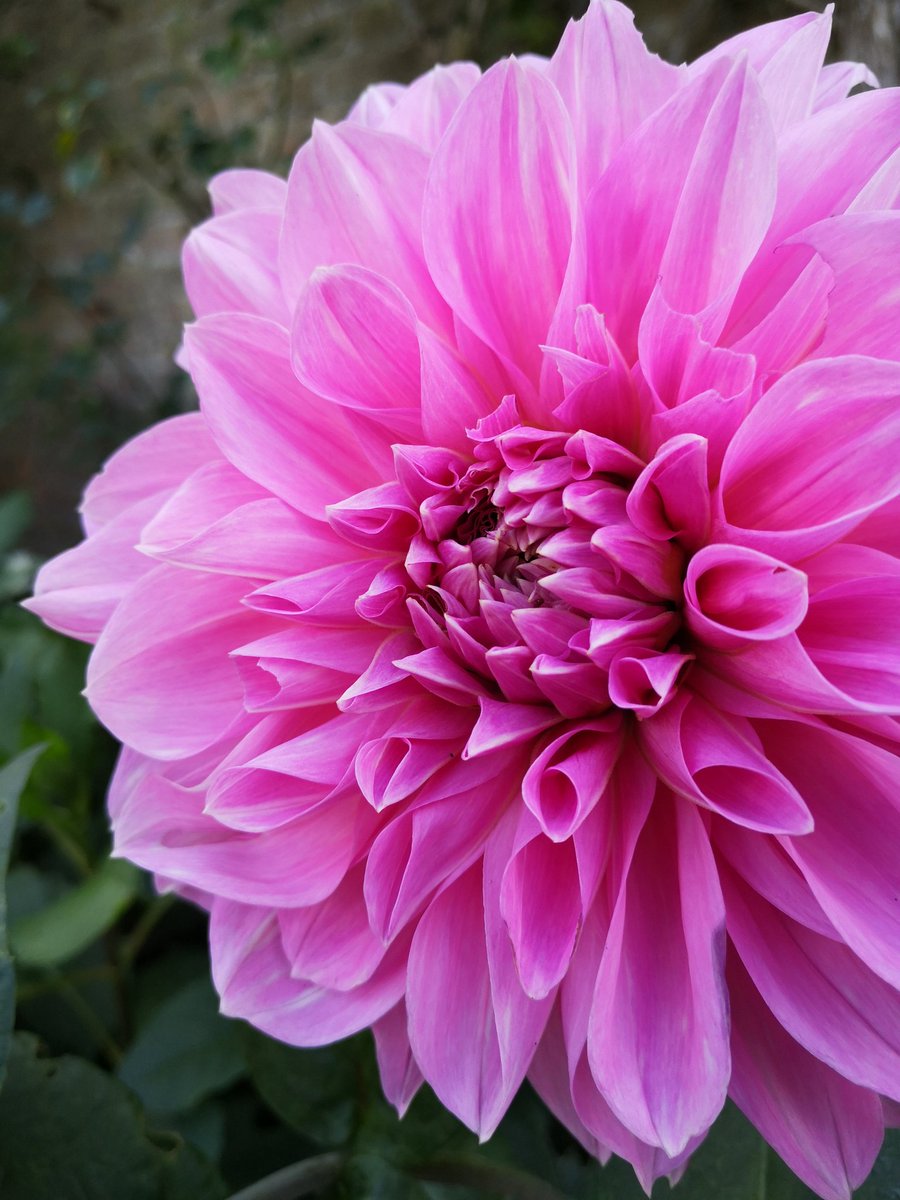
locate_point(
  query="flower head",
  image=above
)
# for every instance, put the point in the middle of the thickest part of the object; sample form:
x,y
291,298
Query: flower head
x,y
506,653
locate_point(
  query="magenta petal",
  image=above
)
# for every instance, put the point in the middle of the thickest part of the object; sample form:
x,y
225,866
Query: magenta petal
x,y
497,191
735,596
718,763
570,775
789,487
819,991
825,1128
540,902
424,110
662,972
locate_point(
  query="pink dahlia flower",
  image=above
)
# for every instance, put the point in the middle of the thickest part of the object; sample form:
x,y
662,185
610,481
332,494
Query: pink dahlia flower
x,y
506,654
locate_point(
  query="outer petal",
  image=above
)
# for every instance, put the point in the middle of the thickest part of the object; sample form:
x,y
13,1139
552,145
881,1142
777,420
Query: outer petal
x,y
819,991
850,860
160,677
686,168
826,1129
246,188
496,221
268,425
425,109
355,196
864,302
230,264
354,342
156,461
610,83
789,486
658,1038
251,974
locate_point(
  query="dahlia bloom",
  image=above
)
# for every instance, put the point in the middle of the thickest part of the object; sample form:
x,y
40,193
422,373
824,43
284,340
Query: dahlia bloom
x,y
506,654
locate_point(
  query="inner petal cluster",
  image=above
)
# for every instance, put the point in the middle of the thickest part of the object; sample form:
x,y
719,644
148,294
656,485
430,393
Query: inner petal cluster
x,y
545,572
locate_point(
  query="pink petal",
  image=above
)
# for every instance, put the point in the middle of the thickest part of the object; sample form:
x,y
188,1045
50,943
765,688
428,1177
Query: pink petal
x,y
230,264
251,974
735,596
819,991
77,591
849,861
570,775
789,487
496,217
670,497
864,301
685,168
160,677
717,762
610,83
259,413
157,460
658,1040
355,196
399,1071
354,342
825,1128
246,188
425,109
787,55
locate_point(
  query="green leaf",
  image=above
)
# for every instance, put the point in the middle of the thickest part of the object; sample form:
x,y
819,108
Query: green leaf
x,y
184,1053
13,778
68,1131
884,1182
15,517
314,1091
69,925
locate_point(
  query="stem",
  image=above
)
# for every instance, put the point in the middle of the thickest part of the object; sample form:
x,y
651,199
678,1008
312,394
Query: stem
x,y
30,991
132,945
501,1181
89,1018
304,1178
762,1181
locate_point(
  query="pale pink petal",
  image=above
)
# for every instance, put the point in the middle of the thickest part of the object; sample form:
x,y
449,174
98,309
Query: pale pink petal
x,y
864,300
425,108
355,196
399,1071
610,83
658,1041
230,264
837,80
174,628
354,342
257,410
497,218
251,974
246,188
156,461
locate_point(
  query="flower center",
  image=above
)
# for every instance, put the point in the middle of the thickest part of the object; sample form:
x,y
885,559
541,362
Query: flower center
x,y
529,575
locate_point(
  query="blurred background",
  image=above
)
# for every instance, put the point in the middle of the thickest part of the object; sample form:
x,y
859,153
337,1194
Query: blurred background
x,y
113,115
